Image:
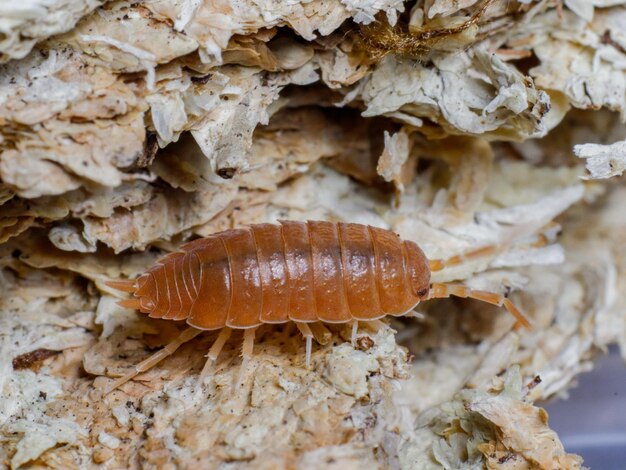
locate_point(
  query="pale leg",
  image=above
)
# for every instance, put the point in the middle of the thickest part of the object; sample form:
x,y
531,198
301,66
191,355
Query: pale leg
x,y
439,264
214,352
544,236
321,333
157,357
246,353
308,336
439,291
376,325
355,331
241,392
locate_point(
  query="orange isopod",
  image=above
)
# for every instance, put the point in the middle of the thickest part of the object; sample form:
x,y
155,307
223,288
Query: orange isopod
x,y
304,272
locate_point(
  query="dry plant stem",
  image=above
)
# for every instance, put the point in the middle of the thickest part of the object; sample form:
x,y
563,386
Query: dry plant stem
x,y
157,357
382,39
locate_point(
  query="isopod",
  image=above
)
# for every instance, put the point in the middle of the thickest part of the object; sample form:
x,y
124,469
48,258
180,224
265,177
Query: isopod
x,y
304,272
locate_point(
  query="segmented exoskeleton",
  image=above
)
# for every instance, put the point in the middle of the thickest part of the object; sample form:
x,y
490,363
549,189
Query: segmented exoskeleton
x,y
304,272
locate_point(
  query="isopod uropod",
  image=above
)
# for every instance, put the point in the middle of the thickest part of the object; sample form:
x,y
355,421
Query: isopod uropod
x,y
302,272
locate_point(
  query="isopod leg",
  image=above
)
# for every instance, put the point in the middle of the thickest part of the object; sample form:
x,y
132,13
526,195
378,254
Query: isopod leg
x,y
541,238
439,291
376,325
321,333
439,264
129,303
214,352
355,331
122,285
308,336
246,354
157,357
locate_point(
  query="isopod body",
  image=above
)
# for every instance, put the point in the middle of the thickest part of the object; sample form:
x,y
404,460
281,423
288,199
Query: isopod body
x,y
303,272
298,271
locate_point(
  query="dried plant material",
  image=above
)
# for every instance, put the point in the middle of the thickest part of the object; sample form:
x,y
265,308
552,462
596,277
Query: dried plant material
x,y
322,402
502,103
577,128
603,161
35,249
586,9
486,428
588,66
294,139
251,52
225,135
213,24
433,8
32,359
392,163
290,54
524,433
148,124
101,113
468,164
127,38
383,38
24,24
20,214
13,226
164,216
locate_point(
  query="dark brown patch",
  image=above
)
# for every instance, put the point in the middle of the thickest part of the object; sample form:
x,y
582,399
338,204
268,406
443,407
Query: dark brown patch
x,y
226,173
534,382
364,343
150,148
33,359
202,80
608,40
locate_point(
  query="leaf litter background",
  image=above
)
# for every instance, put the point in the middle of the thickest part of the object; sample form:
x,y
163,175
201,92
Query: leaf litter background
x,y
129,128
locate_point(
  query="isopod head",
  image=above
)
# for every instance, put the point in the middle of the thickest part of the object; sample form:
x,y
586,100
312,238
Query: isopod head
x,y
418,270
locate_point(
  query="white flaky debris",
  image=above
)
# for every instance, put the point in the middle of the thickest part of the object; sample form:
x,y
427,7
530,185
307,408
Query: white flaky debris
x,y
394,157
585,8
603,161
446,7
513,432
465,94
108,440
225,135
146,58
589,66
39,437
213,24
24,23
365,11
349,373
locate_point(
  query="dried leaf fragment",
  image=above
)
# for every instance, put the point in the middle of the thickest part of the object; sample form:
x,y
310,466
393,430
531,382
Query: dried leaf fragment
x,y
603,161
